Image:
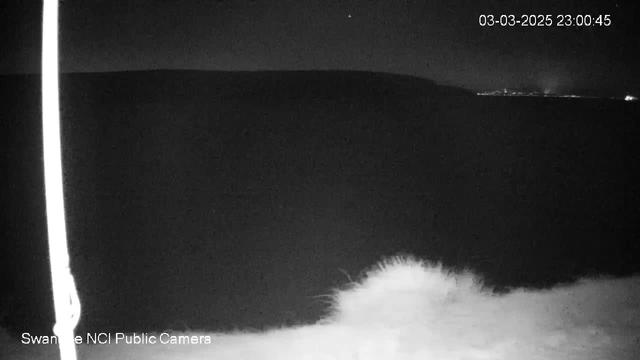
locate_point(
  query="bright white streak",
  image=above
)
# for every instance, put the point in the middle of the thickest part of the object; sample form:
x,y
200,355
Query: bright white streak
x,y
67,306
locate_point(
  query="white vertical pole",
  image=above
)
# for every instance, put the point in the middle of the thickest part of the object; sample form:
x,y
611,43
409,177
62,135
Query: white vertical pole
x,y
65,298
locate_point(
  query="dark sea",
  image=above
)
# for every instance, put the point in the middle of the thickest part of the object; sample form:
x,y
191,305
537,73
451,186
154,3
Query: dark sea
x,y
216,200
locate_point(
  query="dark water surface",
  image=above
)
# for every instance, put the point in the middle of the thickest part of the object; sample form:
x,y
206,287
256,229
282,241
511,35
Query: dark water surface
x,y
225,200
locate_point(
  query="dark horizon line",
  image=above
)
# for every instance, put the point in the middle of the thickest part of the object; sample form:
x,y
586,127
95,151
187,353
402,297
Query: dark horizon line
x,y
343,70
577,91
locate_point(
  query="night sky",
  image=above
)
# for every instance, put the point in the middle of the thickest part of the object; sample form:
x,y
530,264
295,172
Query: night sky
x,y
442,41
